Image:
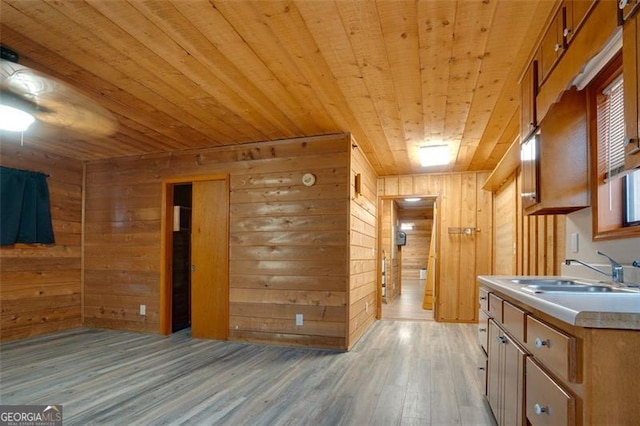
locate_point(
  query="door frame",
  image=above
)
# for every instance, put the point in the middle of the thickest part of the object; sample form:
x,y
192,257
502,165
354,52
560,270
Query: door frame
x,y
166,239
436,227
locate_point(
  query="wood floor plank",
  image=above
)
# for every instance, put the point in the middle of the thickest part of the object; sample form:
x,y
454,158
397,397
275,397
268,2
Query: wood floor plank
x,y
400,373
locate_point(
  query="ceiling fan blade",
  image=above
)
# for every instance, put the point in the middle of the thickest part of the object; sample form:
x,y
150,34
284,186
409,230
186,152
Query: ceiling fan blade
x,y
54,102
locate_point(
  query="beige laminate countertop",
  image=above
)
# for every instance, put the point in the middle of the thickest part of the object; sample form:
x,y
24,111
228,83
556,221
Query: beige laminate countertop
x,y
594,310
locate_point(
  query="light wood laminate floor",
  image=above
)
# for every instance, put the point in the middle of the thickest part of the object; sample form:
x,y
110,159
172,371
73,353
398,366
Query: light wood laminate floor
x,y
400,373
408,306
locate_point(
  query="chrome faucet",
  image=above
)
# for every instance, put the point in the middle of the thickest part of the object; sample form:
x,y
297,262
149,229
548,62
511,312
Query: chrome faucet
x,y
617,272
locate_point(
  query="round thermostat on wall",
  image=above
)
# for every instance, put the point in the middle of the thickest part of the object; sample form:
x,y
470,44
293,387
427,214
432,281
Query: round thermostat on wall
x,y
308,179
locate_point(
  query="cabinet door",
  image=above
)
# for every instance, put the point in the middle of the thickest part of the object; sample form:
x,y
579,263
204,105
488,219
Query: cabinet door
x,y
528,91
575,12
529,162
552,46
513,390
563,181
494,369
628,7
630,46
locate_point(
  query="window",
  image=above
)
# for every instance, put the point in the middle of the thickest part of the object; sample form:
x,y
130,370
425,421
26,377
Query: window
x,y
25,216
610,115
613,194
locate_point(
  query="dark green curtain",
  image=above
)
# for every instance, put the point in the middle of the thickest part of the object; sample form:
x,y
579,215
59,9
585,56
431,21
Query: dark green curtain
x,y
25,214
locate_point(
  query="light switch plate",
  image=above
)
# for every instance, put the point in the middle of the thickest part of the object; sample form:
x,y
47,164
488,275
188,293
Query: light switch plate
x,y
575,238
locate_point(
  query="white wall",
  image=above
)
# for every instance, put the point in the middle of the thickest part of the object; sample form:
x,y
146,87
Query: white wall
x,y
623,251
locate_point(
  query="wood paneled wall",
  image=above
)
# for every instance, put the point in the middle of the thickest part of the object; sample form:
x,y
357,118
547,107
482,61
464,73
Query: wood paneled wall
x,y
363,243
391,254
416,253
539,241
40,289
506,218
288,243
461,202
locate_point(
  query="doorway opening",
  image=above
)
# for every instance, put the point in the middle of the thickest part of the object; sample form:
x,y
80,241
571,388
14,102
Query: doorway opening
x,y
407,251
181,258
194,290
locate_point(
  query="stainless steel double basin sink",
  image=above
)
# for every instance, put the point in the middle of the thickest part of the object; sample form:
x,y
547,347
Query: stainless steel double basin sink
x,y
553,285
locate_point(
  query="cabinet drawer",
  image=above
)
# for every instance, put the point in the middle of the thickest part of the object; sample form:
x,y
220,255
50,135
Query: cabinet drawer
x,y
495,307
483,324
513,320
547,403
553,348
483,297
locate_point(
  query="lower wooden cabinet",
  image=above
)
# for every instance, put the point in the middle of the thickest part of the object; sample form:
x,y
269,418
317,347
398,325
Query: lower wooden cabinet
x,y
542,371
505,377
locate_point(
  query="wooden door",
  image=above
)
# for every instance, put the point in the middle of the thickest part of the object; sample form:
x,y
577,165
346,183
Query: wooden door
x,y
432,262
210,265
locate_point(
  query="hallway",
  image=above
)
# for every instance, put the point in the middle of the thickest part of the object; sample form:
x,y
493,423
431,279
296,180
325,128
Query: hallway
x,y
408,306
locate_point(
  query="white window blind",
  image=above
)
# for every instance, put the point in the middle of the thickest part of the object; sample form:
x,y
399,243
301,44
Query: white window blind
x,y
611,129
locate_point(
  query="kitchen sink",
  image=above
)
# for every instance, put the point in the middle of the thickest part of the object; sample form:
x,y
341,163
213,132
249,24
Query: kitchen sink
x,y
574,288
543,281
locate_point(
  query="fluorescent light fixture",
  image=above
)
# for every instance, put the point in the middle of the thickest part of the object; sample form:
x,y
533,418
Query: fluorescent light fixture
x,y
406,226
412,200
434,155
14,119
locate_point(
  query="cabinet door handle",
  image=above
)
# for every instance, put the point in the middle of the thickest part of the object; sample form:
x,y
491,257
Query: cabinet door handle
x,y
501,339
539,409
482,330
566,32
540,343
483,298
557,47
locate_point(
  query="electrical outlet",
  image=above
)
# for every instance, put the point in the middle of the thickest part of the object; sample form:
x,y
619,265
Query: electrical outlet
x,y
143,309
299,319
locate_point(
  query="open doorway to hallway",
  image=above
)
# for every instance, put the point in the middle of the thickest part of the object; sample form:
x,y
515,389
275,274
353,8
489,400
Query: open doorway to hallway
x,y
407,294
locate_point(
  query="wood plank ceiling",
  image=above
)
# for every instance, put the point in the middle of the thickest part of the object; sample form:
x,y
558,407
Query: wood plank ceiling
x,y
189,74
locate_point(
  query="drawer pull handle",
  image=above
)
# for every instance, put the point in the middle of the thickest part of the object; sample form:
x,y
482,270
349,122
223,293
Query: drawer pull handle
x,y
482,330
540,343
539,409
483,298
501,339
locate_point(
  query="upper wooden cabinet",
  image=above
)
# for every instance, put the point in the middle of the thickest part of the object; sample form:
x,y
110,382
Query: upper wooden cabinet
x,y
528,91
561,155
552,45
575,11
630,59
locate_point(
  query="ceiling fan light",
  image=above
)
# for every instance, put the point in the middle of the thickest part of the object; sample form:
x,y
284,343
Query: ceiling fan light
x,y
434,155
14,119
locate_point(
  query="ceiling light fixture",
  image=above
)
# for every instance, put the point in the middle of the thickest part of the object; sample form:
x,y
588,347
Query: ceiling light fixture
x,y
434,155
14,119
412,200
